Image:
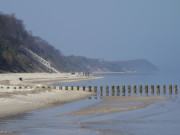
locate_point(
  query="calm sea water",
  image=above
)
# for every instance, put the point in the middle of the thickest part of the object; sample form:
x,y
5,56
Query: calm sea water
x,y
163,120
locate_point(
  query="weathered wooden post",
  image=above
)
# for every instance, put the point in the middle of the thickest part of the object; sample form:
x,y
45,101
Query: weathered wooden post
x,y
123,90
152,89
95,89
48,87
176,90
113,91
7,87
89,88
21,87
66,87
84,88
164,89
60,87
158,89
170,89
140,89
72,88
118,90
14,87
134,87
77,87
129,89
107,90
146,89
101,91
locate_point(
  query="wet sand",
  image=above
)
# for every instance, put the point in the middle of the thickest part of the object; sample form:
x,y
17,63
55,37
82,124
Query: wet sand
x,y
116,104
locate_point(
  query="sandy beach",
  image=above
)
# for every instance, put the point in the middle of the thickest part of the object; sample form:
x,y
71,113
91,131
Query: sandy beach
x,y
18,96
32,92
41,78
97,113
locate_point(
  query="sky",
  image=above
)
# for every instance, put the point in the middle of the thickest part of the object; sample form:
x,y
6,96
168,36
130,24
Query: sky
x,y
112,30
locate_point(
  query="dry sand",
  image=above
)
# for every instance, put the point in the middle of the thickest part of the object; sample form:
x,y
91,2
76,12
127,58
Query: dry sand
x,y
116,104
15,101
41,78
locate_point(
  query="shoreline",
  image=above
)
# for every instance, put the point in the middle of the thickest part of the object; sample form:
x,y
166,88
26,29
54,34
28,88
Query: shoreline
x,y
16,101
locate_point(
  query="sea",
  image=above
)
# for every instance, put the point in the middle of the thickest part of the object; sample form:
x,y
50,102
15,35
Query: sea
x,y
153,119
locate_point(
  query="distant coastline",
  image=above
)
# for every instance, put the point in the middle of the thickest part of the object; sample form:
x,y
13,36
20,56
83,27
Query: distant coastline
x,y
127,72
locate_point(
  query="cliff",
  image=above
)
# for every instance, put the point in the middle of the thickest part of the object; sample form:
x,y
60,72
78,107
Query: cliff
x,y
20,51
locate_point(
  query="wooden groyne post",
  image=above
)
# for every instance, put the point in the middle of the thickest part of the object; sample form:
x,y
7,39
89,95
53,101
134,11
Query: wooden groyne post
x,y
140,89
123,90
129,89
84,88
152,89
118,90
158,89
134,87
113,91
95,89
164,89
107,90
146,89
101,91
89,89
176,90
170,89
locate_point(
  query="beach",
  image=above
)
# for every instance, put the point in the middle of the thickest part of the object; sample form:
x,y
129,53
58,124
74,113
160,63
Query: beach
x,y
32,92
34,106
41,78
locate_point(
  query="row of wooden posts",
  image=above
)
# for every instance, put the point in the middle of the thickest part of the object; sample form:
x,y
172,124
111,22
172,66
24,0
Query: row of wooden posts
x,y
113,88
90,89
135,90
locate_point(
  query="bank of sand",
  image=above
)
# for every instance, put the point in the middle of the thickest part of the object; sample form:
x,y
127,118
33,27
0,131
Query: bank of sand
x,y
116,104
15,101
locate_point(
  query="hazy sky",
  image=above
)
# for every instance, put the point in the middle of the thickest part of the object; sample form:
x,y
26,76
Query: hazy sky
x,y
109,29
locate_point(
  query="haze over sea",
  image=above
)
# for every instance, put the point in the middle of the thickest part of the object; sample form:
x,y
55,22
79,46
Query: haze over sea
x,y
112,30
162,117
